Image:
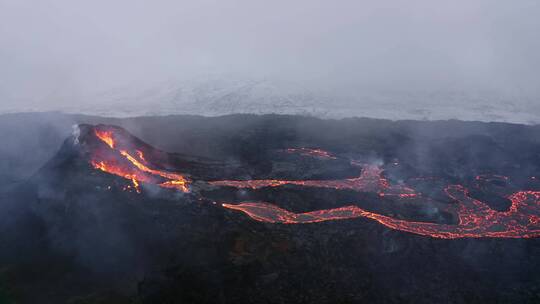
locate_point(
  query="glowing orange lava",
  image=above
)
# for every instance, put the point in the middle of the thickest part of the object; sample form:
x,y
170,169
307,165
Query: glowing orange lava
x,y
121,162
106,137
475,219
370,180
141,155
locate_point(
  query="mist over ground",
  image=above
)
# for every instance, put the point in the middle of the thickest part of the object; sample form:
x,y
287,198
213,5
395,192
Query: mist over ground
x,y
470,60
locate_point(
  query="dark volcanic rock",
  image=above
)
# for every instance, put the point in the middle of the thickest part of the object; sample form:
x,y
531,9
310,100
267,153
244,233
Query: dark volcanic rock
x,y
69,238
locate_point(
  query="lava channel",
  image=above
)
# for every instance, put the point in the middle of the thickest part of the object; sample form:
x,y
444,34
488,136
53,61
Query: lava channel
x,y
119,160
370,180
476,219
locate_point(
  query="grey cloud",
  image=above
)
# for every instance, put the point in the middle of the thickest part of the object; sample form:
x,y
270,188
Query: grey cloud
x,y
57,51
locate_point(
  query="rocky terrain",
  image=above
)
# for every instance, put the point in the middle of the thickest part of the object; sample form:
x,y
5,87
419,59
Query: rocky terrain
x,y
72,232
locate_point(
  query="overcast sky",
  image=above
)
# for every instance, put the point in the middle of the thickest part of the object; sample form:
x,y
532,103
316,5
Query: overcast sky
x,y
65,48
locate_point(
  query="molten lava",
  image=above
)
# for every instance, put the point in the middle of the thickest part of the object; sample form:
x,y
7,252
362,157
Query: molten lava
x,y
370,180
474,218
118,160
106,137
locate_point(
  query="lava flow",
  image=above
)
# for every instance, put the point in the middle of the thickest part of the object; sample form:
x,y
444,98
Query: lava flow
x,y
475,219
120,161
370,180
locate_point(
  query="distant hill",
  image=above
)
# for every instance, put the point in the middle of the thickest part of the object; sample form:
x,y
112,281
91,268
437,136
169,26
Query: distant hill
x,y
215,96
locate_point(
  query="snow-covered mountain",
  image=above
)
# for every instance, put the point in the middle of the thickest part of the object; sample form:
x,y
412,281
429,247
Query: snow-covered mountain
x,y
221,96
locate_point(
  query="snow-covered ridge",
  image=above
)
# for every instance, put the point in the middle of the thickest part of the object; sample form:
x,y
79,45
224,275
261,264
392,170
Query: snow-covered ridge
x,y
227,96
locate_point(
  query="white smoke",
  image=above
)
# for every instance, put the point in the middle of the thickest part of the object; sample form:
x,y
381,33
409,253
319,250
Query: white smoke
x,y
75,133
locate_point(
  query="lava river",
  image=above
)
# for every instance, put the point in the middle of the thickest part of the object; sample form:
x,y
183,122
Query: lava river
x,y
475,218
